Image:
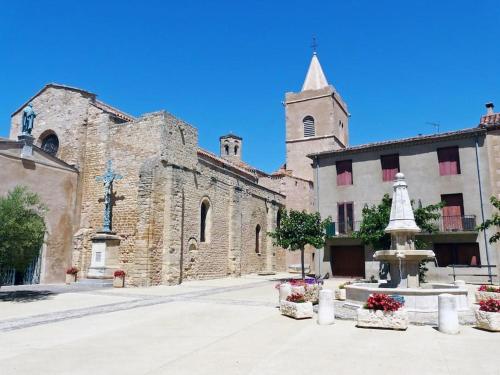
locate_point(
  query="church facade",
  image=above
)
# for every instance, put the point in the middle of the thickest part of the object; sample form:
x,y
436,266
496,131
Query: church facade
x,y
179,212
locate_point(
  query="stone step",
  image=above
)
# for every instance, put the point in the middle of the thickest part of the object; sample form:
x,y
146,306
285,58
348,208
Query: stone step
x,y
96,282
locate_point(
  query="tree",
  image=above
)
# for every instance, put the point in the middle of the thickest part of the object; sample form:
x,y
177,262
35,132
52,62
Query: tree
x,y
493,222
298,229
376,218
22,228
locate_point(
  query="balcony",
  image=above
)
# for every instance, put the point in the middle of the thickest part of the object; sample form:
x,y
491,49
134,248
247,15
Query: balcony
x,y
343,228
466,223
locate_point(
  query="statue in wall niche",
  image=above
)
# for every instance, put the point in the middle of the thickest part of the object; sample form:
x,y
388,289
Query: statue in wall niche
x,y
28,119
107,179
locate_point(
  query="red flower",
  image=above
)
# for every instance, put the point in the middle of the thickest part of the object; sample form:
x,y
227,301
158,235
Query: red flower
x,y
296,297
72,271
487,288
379,301
119,273
490,305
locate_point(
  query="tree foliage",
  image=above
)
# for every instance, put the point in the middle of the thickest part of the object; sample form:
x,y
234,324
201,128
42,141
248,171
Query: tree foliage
x,y
22,228
297,229
376,218
493,222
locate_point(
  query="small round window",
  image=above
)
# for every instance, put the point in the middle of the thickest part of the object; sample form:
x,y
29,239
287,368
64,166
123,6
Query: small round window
x,y
50,144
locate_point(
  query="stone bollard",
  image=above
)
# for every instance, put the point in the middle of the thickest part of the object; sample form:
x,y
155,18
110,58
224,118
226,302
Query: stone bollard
x,y
326,309
448,314
285,291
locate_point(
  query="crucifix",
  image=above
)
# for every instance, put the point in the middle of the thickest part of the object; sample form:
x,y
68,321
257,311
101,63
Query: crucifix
x,y
107,180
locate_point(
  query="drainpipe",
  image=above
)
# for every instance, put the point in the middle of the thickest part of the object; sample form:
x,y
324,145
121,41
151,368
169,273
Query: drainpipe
x,y
316,204
490,279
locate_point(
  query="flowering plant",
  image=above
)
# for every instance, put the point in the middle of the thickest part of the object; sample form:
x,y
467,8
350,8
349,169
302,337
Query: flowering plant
x,y
487,288
490,305
119,273
72,271
296,297
379,301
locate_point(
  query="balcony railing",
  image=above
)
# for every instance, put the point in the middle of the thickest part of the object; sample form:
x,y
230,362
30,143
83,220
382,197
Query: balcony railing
x,y
343,228
466,223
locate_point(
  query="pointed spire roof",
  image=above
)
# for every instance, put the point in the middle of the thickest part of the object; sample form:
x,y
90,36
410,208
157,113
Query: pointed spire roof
x,y
402,218
315,78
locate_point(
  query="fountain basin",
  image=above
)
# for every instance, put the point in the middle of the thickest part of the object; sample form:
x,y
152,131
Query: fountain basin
x,y
421,303
409,255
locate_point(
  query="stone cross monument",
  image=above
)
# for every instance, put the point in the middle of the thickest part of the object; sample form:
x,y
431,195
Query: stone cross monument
x,y
107,179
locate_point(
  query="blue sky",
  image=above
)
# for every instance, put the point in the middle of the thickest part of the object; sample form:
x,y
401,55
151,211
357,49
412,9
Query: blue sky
x,y
226,65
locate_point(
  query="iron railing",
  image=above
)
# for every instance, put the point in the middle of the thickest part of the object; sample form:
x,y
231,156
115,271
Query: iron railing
x,y
466,223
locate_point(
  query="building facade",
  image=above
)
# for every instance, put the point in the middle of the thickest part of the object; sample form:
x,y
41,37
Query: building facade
x,y
453,168
180,212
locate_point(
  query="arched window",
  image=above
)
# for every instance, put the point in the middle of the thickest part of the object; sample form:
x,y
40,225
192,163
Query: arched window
x,y
309,130
257,239
226,149
236,150
205,221
50,144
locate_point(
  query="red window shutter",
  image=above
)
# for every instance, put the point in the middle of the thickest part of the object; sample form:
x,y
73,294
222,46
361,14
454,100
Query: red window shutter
x,y
344,172
449,161
452,211
390,166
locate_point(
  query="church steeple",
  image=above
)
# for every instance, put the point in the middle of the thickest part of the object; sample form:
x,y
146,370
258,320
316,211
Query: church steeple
x,y
315,78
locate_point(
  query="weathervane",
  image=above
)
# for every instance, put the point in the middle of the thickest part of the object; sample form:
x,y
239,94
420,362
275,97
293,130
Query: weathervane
x,y
314,44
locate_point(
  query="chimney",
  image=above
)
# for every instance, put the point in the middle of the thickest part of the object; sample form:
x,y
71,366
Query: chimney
x,y
489,108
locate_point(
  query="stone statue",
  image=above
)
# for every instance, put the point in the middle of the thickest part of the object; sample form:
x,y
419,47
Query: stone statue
x,y
107,179
28,119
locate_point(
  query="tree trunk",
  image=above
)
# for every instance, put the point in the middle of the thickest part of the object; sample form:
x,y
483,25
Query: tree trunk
x,y
302,263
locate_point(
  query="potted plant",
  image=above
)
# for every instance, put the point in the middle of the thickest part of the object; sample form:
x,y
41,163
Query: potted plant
x,y
309,288
488,315
340,292
485,292
383,311
296,306
119,279
71,274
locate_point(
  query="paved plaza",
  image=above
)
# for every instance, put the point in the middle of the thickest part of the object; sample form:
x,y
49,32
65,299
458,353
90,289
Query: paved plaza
x,y
223,326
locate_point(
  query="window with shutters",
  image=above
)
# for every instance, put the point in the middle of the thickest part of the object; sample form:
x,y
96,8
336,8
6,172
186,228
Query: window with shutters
x,y
345,216
453,212
390,166
344,172
309,130
449,161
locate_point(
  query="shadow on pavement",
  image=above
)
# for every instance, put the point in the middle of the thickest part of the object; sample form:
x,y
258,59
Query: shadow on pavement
x,y
25,295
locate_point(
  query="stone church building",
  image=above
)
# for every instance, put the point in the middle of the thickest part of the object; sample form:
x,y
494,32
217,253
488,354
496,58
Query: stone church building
x,y
179,212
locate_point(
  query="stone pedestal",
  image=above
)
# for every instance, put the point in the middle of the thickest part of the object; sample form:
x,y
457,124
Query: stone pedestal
x,y
326,309
404,266
105,260
448,314
27,150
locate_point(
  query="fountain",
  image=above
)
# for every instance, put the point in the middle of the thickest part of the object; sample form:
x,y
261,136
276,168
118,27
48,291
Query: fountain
x,y
404,260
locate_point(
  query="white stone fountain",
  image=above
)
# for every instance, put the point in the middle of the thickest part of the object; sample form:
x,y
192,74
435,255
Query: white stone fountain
x,y
403,258
404,262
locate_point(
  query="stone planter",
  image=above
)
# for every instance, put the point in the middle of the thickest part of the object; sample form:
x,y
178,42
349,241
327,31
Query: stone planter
x,y
296,310
483,296
383,319
118,282
340,294
311,293
70,278
488,320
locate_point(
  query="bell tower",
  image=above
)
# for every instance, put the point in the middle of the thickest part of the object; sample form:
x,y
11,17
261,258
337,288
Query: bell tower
x,y
230,147
317,120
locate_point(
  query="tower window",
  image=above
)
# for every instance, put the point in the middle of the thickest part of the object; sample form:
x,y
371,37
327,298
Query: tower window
x,y
226,149
309,130
236,150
